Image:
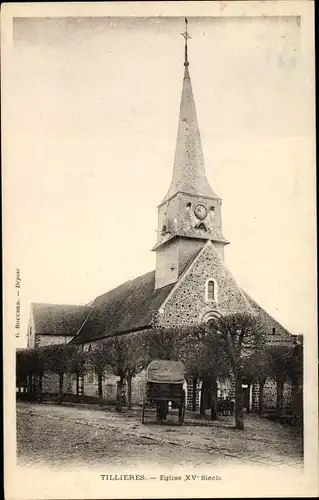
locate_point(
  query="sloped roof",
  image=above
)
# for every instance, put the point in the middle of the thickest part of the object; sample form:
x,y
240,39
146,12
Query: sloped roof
x,y
281,331
58,319
126,308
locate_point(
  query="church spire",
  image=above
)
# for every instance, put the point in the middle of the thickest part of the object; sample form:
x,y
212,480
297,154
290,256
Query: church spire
x,y
190,213
189,171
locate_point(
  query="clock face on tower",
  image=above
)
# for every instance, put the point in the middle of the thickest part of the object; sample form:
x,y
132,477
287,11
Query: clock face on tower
x,y
200,212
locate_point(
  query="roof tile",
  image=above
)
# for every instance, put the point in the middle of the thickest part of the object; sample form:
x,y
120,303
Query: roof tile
x,y
58,319
128,307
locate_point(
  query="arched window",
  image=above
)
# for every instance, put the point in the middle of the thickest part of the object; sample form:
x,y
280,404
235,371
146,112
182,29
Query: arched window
x,y
210,318
210,321
211,290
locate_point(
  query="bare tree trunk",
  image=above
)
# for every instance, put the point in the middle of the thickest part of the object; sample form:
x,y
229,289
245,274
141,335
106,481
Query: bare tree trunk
x,y
280,391
194,394
205,402
30,382
239,413
213,411
262,382
60,395
77,383
129,392
100,385
201,403
39,395
119,395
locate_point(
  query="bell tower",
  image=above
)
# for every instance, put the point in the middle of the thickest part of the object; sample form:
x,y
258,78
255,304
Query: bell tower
x,y
190,213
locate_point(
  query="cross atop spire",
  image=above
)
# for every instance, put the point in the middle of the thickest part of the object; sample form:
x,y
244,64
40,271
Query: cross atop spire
x,y
186,36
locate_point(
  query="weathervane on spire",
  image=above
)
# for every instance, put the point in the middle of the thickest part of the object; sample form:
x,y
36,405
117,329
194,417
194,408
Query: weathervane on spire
x,y
186,36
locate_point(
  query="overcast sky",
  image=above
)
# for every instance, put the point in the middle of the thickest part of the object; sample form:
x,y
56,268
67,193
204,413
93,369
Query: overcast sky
x,y
93,109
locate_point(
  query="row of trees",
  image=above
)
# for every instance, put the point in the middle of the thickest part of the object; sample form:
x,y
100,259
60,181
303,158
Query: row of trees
x,y
121,356
231,346
234,346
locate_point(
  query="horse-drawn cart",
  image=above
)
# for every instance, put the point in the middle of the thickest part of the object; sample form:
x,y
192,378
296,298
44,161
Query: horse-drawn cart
x,y
164,386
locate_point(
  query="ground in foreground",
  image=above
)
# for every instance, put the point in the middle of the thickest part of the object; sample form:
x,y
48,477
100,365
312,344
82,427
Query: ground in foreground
x,y
64,435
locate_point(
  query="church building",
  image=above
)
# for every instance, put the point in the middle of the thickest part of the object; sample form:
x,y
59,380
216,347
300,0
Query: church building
x,y
191,283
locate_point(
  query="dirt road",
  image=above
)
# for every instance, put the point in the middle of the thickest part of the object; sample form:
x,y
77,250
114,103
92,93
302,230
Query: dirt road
x,y
63,435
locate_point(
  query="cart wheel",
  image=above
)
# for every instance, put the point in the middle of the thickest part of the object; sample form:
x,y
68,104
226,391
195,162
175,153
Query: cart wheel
x,y
143,414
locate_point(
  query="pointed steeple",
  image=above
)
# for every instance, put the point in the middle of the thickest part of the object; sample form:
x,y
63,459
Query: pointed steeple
x,y
190,213
189,170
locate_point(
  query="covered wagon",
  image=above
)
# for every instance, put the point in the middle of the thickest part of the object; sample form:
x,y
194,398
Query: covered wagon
x,y
164,389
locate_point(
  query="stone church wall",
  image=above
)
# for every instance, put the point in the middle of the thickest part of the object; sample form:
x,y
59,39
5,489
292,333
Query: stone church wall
x,y
108,385
187,304
270,394
50,383
138,386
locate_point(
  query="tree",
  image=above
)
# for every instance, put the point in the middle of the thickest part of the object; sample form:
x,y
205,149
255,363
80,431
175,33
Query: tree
x,y
22,368
135,361
30,369
192,357
98,359
240,334
280,362
214,365
59,359
180,344
169,343
79,363
202,355
127,355
257,369
205,359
